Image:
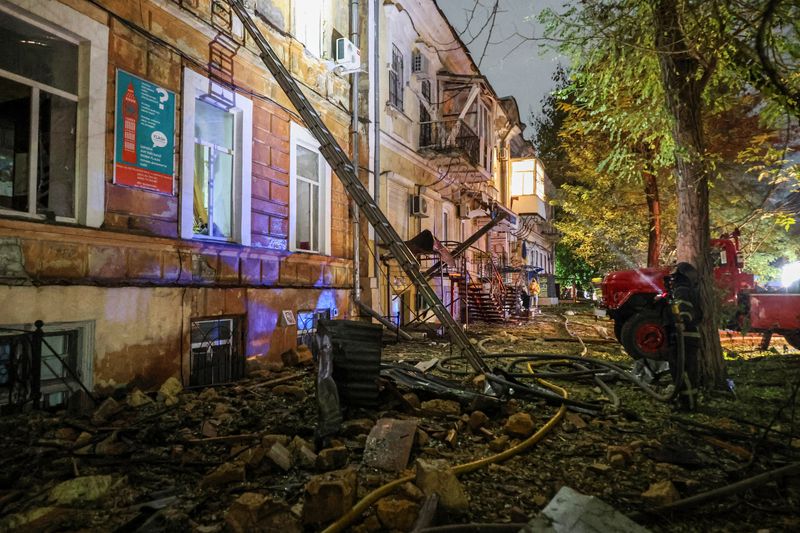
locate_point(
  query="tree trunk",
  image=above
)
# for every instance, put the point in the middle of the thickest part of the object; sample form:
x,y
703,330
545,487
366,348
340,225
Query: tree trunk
x,y
653,218
683,87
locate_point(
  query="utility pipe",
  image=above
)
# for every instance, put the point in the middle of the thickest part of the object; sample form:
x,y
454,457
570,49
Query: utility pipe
x,y
356,164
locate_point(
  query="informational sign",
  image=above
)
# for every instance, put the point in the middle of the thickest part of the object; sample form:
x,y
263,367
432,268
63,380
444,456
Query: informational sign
x,y
144,135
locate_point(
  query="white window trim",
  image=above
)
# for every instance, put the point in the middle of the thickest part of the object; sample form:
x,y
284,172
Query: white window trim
x,y
301,9
92,38
300,135
195,85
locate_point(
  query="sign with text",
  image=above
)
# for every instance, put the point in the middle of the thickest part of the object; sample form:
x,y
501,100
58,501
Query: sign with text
x,y
144,135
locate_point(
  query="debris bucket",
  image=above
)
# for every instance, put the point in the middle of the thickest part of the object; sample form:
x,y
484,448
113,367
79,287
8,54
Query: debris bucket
x,y
356,359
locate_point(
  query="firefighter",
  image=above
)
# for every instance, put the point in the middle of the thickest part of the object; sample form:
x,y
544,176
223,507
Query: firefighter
x,y
683,288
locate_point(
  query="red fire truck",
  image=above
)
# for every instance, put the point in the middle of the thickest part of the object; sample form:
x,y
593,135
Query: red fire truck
x,y
634,299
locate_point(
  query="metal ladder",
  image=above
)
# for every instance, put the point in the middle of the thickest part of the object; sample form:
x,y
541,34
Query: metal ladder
x,y
343,167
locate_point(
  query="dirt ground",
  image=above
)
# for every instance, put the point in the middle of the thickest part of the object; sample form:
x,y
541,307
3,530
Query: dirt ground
x,y
207,460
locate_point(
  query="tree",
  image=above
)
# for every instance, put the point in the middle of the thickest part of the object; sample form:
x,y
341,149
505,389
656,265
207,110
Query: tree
x,y
650,73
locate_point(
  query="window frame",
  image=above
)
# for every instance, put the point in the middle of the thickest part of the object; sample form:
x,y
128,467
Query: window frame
x,y
92,39
397,78
298,135
194,86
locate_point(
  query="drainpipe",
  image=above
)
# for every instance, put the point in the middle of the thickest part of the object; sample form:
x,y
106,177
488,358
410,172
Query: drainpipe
x,y
356,165
375,73
354,16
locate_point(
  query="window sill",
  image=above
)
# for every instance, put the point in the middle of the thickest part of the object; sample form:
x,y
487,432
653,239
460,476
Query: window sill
x,y
208,238
395,111
19,215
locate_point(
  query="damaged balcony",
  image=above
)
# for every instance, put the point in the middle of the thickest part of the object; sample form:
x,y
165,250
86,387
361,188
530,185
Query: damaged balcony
x,y
453,145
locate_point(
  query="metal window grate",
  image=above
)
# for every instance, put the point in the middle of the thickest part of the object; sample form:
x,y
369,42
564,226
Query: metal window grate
x,y
216,351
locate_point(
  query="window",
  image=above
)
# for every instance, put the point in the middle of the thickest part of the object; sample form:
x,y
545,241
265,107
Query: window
x,y
64,345
309,25
217,161
217,355
52,80
307,324
310,193
522,177
396,81
445,234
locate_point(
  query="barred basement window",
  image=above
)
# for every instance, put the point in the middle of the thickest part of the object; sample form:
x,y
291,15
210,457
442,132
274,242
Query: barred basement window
x,y
307,324
217,355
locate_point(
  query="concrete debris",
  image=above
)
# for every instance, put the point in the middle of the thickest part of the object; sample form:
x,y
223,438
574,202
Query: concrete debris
x,y
397,514
436,476
86,489
442,407
137,398
296,393
255,512
281,456
477,420
357,426
571,511
224,475
661,493
329,496
169,391
389,444
332,458
106,411
520,425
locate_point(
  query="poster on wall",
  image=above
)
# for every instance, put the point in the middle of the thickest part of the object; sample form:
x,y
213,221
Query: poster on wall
x,y
144,135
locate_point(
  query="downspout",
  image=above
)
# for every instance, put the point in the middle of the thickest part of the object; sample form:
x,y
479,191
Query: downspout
x,y
375,74
356,164
361,306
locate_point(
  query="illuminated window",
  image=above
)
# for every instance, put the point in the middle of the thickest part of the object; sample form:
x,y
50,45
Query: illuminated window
x,y
310,192
527,178
52,101
309,25
217,160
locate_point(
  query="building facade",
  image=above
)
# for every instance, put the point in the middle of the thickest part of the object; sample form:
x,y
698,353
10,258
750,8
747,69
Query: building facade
x,y
162,206
165,212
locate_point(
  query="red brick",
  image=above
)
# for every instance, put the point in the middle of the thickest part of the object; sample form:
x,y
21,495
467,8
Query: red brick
x,y
260,188
154,226
107,262
138,202
270,271
260,153
269,208
278,226
280,127
260,223
228,267
250,270
144,264
279,193
288,273
61,260
279,160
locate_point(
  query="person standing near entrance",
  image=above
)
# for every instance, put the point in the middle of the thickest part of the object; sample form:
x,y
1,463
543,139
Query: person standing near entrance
x,y
533,290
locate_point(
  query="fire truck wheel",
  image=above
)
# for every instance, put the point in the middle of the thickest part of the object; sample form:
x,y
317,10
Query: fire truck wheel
x,y
644,335
793,338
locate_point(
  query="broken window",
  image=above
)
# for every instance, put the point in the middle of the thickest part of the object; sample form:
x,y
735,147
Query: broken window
x,y
38,120
215,200
217,355
396,81
309,228
307,324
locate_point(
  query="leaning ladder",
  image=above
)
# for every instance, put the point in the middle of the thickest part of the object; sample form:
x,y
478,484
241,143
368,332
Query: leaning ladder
x,y
343,168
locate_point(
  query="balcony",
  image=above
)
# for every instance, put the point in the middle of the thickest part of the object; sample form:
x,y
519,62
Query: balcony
x,y
450,138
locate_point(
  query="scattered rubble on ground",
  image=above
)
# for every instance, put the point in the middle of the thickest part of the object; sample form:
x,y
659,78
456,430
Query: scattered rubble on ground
x,y
245,457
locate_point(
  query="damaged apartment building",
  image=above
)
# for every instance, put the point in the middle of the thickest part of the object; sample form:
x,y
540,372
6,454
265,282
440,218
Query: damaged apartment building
x,y
165,212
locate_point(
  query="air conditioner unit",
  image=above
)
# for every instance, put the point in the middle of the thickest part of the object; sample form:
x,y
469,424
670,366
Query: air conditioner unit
x,y
419,206
347,55
419,64
462,212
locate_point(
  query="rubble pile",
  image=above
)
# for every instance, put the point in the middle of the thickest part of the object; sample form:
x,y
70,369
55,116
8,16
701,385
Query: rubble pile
x,y
245,457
